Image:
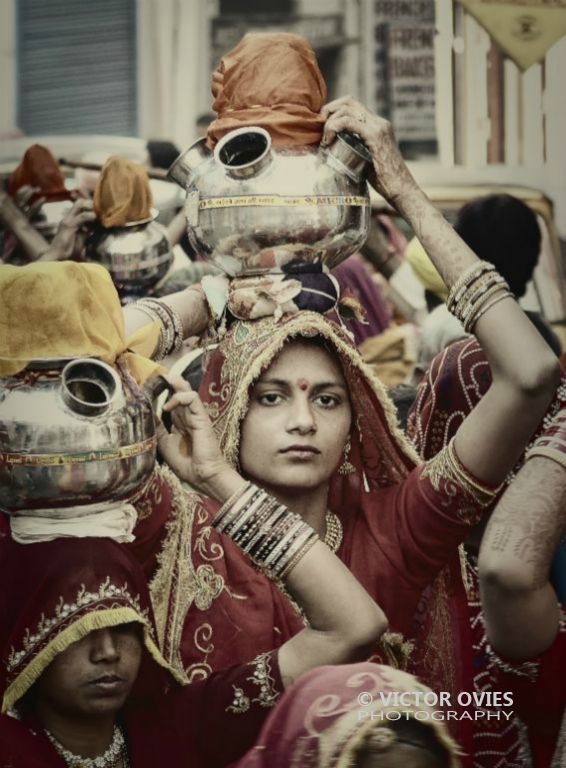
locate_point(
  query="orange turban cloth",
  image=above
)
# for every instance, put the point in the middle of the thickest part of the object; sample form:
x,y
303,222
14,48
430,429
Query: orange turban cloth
x,y
272,81
39,169
122,194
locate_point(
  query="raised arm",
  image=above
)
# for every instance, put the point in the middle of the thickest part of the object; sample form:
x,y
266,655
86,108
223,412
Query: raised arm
x,y
179,315
519,603
525,371
343,621
15,220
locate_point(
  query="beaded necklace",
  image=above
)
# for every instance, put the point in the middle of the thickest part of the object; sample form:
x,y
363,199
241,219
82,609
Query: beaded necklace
x,y
116,752
334,532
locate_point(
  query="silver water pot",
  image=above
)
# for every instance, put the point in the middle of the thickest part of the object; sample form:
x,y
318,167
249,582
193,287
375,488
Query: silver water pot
x,y
253,209
72,433
137,255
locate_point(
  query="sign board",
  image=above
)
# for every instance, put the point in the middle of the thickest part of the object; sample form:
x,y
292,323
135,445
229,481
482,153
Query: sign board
x,y
411,61
405,77
524,29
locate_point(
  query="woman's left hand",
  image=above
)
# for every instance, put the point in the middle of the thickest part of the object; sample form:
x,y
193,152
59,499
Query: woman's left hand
x,y
191,449
392,178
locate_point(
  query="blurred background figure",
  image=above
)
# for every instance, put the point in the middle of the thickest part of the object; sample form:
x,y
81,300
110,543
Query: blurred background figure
x,y
501,229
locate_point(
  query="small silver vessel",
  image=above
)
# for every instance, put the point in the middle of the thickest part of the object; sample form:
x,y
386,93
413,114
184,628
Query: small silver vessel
x,y
137,255
72,433
253,209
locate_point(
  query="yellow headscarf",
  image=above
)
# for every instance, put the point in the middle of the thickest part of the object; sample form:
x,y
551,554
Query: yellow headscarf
x,y
424,269
65,309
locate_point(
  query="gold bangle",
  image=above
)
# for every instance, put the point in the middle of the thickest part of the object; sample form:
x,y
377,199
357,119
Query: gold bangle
x,y
298,556
466,279
470,319
504,294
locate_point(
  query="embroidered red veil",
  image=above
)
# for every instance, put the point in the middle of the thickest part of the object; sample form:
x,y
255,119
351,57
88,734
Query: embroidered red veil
x,y
62,590
320,722
51,605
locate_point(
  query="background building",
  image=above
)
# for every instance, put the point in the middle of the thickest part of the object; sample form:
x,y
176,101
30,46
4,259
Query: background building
x,y
462,109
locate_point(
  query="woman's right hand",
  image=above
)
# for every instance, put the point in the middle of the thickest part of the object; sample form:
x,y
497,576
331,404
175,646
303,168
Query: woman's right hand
x,y
71,233
391,177
191,449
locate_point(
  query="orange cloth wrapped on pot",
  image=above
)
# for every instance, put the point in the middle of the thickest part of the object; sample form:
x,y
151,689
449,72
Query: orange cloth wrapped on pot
x,y
272,81
123,194
39,168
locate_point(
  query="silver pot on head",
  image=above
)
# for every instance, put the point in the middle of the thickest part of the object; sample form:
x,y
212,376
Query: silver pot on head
x,y
137,255
72,433
251,208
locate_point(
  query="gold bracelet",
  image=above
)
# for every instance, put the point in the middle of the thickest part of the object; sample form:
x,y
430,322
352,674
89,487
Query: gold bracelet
x,y
503,294
471,318
466,279
476,294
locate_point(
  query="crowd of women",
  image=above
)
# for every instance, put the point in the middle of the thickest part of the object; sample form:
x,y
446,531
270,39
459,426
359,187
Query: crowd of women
x,y
297,581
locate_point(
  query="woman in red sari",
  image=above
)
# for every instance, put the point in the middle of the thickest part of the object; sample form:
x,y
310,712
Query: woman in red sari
x,y
525,624
319,434
82,674
277,402
456,381
84,683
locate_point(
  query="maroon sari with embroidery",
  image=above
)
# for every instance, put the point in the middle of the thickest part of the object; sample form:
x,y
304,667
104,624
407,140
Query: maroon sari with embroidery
x,y
402,524
457,379
539,698
60,591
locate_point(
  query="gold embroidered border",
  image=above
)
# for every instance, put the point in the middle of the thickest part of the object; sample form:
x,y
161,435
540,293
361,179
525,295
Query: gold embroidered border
x,y
96,619
447,467
51,459
177,584
238,372
262,677
64,612
170,587
271,201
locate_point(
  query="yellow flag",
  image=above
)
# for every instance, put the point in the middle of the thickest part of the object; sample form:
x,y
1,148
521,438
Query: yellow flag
x,y
524,29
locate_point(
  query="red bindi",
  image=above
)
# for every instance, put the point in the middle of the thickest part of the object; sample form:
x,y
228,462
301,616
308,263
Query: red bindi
x,y
303,384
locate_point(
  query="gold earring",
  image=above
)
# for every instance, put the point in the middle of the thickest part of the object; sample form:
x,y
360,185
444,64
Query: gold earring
x,y
347,468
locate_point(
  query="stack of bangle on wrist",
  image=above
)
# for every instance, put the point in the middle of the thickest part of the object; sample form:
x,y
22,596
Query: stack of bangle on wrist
x,y
274,537
171,334
478,289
